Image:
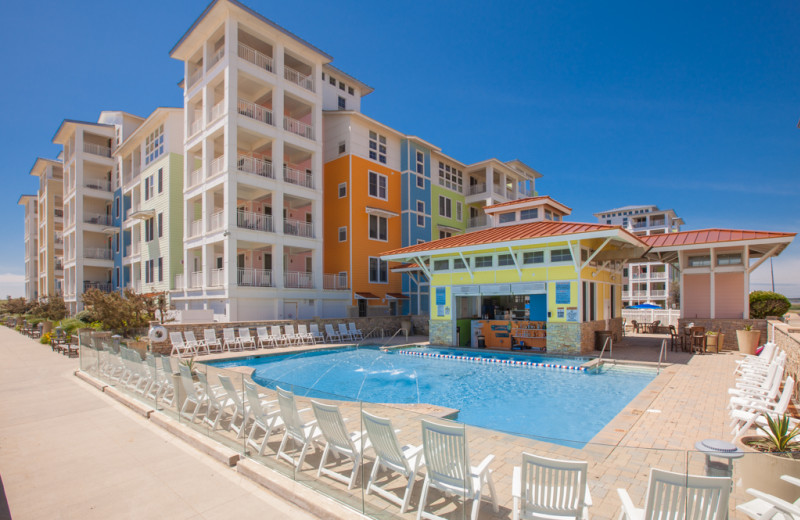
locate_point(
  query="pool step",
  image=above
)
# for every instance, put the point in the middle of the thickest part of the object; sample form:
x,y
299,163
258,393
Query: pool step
x,y
479,359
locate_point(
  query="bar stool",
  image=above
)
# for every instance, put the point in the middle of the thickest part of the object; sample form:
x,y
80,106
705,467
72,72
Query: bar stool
x,y
699,339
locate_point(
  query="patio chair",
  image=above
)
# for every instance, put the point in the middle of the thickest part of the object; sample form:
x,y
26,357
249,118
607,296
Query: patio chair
x,y
745,417
550,489
331,335
278,336
344,333
654,326
766,356
217,401
193,397
291,337
354,332
635,325
675,339
300,433
305,336
213,343
198,345
698,339
406,460
677,495
316,334
448,467
264,420
147,375
265,339
179,347
230,341
767,507
245,340
240,409
767,389
338,441
753,376
162,388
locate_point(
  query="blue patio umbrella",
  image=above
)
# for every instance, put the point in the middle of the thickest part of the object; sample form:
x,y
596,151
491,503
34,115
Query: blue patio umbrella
x,y
645,306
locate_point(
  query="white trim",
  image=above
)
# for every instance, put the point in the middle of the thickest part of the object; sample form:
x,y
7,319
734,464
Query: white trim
x,y
369,210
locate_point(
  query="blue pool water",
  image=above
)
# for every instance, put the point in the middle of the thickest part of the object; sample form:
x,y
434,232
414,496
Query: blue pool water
x,y
564,406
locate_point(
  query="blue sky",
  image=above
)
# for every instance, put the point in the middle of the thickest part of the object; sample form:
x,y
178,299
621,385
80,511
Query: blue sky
x,y
685,105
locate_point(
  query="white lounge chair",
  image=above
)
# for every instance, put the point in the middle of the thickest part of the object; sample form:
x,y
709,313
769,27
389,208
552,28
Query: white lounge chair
x,y
765,357
245,340
677,495
767,507
279,338
745,417
230,341
767,390
198,345
305,336
448,468
213,343
149,375
331,335
344,333
355,333
756,374
219,404
316,334
264,420
193,397
166,390
338,441
550,489
240,409
303,433
406,460
265,339
291,337
179,347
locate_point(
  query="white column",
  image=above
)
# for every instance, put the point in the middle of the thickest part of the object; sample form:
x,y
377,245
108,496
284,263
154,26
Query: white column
x,y
746,283
713,303
682,266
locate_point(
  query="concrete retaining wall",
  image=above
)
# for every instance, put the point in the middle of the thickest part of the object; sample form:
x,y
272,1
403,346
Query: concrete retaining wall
x,y
727,327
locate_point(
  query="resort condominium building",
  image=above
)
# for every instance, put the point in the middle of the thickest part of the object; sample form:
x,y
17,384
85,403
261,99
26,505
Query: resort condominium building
x,y
88,228
148,244
29,202
646,282
253,170
51,226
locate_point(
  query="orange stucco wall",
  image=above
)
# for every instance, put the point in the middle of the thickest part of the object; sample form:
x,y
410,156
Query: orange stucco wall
x,y
336,255
729,295
696,296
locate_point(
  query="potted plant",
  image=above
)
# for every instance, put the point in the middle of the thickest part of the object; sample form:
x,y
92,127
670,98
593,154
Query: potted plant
x,y
139,345
748,339
715,340
768,456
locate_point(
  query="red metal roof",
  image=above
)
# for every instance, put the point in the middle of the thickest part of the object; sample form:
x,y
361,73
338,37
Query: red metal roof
x,y
366,296
495,235
396,296
708,236
529,199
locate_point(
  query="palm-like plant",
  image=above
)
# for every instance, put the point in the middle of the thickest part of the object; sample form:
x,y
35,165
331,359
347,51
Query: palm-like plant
x,y
778,437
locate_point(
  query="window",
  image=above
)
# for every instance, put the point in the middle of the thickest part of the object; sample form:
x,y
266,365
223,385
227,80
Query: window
x,y
729,259
528,214
420,181
154,145
548,215
450,177
507,217
377,185
377,147
378,227
378,271
342,103
148,230
119,282
608,222
441,265
116,207
149,188
483,261
147,271
560,255
160,225
332,81
420,241
505,260
459,264
342,190
420,213
625,272
341,85
700,261
342,147
160,180
343,234
533,257
116,242
445,208
445,234
459,211
351,91
420,163
160,269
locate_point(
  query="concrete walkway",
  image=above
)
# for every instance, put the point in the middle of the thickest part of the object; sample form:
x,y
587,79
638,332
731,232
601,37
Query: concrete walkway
x,y
68,451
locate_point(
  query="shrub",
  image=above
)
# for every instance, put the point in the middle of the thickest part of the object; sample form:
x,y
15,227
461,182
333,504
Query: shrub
x,y
122,313
84,316
52,309
70,325
767,303
46,337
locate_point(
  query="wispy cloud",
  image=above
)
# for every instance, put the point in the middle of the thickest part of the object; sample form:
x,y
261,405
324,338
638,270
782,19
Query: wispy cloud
x,y
12,278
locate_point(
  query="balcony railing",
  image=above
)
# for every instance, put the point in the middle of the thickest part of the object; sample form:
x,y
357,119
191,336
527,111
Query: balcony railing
x,y
135,286
298,78
196,228
254,221
217,278
255,166
639,294
100,286
214,59
639,225
254,111
658,223
253,277
298,280
218,165
196,176
103,220
478,221
218,110
195,279
298,127
658,276
256,58
132,250
98,253
300,177
638,276
97,184
298,228
196,125
335,282
217,221
179,281
194,77
58,213
97,149
626,294
475,189
658,294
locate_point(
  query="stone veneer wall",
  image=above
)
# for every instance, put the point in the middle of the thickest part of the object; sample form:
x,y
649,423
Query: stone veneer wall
x,y
419,326
787,337
727,327
588,329
441,333
564,338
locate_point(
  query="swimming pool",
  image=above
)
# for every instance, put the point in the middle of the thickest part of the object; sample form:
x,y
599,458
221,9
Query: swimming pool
x,y
561,405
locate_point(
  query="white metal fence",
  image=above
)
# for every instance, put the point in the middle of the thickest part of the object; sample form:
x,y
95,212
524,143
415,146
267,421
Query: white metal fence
x,y
665,316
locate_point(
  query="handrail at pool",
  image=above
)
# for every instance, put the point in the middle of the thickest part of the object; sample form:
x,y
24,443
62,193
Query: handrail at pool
x,y
609,340
367,336
398,331
662,352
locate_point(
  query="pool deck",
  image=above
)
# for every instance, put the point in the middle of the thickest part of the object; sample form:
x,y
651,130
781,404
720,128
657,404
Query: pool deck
x,y
55,414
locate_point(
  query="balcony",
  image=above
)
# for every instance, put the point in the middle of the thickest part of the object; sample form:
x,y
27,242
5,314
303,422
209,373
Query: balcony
x,y
298,280
253,277
335,282
196,176
298,78
658,294
96,184
98,253
298,228
217,221
196,280
638,276
100,286
477,222
101,220
254,111
218,110
218,165
658,223
194,77
214,59
97,149
255,166
217,278
298,127
258,59
196,228
294,176
132,250
196,125
254,221
58,213
626,295
661,275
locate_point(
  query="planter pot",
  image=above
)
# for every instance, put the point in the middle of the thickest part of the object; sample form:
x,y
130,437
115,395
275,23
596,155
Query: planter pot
x,y
139,346
763,471
748,340
714,342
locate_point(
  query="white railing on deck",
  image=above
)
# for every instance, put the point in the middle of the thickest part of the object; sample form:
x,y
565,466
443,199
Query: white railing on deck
x,y
298,78
254,111
296,176
256,58
298,127
196,228
476,189
196,176
216,57
255,166
98,253
665,316
196,125
194,77
658,276
196,279
218,110
298,228
97,149
478,221
335,282
103,220
253,277
216,221
217,277
254,221
97,184
298,280
218,165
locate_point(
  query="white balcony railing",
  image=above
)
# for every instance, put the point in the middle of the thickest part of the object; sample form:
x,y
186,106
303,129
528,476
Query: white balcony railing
x,y
335,282
196,176
97,184
254,111
217,278
218,165
179,281
98,253
216,221
300,177
194,77
95,218
258,59
255,166
626,294
475,189
478,221
214,59
298,228
196,228
658,294
195,279
298,280
658,276
218,110
298,78
97,149
196,125
639,294
254,221
638,276
100,286
253,277
298,127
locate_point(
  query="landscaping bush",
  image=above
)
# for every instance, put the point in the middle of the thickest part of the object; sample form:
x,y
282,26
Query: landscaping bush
x,y
52,309
84,316
767,303
70,325
46,337
122,313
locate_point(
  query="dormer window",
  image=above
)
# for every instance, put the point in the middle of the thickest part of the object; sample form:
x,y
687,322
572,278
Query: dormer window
x,y
529,214
507,217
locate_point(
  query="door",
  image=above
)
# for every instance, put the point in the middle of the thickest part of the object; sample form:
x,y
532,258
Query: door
x,y
308,264
290,310
268,261
393,308
240,260
362,307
